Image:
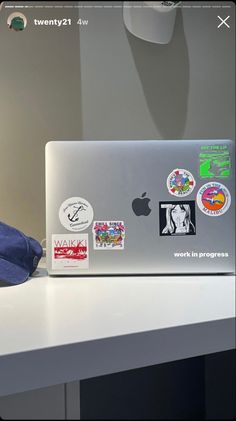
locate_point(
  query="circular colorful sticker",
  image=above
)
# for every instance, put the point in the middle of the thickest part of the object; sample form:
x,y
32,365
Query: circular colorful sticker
x,y
76,214
180,183
213,199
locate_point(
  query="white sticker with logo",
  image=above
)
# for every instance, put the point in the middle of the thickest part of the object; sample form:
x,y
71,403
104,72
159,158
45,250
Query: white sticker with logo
x,y
180,182
213,199
76,214
70,251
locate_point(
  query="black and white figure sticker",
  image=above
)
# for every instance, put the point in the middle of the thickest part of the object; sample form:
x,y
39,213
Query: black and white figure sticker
x,y
76,214
70,251
213,199
177,218
180,183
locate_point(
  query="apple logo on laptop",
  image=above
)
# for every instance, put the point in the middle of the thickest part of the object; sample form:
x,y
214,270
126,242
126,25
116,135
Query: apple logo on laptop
x,y
140,205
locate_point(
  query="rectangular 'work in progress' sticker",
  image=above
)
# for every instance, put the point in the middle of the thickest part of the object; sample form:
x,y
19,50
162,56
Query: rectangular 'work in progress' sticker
x,y
214,161
108,235
70,251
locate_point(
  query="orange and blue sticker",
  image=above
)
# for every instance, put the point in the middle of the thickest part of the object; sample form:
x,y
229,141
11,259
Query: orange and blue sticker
x,y
108,235
213,199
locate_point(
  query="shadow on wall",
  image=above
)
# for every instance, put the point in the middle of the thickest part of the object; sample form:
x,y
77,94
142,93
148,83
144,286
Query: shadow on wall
x,y
164,74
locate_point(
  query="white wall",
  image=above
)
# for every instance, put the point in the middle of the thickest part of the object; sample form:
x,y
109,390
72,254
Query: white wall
x,y
39,101
135,89
105,84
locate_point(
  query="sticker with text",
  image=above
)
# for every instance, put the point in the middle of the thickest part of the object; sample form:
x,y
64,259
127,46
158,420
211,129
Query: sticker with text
x,y
108,235
180,183
70,251
177,218
213,199
214,161
76,214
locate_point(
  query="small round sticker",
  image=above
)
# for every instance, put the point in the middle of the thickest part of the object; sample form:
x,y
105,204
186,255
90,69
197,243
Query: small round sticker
x,y
180,183
76,214
213,199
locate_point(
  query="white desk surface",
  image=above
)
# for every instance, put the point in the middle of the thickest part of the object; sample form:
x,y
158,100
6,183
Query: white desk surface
x,y
58,329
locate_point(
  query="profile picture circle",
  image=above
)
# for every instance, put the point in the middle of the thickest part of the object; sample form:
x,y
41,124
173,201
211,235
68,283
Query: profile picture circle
x,y
213,199
180,183
16,22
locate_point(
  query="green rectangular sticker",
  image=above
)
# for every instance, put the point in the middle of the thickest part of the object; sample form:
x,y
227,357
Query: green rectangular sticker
x,y
214,161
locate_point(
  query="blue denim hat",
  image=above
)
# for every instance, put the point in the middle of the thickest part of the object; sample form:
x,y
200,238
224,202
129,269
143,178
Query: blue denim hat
x,y
19,255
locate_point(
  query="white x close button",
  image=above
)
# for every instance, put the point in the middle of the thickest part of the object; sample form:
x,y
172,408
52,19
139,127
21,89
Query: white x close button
x,y
223,21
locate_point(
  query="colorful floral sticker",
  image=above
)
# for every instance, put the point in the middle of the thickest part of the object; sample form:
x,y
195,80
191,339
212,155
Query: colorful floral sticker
x,y
108,235
180,183
214,161
213,199
70,251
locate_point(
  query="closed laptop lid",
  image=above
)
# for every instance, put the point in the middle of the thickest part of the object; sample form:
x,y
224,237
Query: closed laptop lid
x,y
140,207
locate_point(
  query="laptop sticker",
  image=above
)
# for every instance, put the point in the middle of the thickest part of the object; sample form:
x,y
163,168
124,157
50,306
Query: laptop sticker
x,y
214,161
108,235
76,214
70,251
213,199
180,183
177,218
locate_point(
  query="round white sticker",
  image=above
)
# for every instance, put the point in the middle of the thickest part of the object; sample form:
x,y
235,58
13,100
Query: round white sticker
x,y
76,214
180,182
213,199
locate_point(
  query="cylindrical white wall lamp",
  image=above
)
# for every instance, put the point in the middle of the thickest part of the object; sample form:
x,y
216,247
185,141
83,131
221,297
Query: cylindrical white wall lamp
x,y
151,20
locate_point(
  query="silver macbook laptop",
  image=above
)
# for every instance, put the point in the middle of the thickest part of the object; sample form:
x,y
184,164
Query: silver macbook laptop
x,y
140,207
